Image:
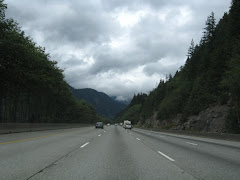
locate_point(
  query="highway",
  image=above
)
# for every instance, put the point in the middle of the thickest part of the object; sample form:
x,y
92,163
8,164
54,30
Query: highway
x,y
115,153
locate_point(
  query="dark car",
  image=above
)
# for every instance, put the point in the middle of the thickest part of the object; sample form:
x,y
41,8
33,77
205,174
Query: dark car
x,y
99,125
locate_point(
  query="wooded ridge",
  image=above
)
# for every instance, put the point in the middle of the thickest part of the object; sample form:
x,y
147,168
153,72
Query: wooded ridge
x,y
209,77
32,87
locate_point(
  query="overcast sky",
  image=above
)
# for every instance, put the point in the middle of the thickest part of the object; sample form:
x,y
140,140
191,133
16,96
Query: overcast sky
x,y
119,47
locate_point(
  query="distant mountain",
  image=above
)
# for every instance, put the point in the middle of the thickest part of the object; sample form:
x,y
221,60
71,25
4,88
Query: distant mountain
x,y
105,105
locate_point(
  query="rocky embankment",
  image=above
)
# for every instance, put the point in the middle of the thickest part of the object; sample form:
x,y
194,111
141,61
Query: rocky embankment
x,y
209,120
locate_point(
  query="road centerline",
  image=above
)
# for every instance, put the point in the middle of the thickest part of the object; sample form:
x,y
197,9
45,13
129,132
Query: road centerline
x,y
164,155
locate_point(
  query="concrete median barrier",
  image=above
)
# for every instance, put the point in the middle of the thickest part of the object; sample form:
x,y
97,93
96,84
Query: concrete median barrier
x,y
6,128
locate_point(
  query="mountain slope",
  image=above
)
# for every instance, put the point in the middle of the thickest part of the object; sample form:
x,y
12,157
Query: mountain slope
x,y
104,105
32,87
207,83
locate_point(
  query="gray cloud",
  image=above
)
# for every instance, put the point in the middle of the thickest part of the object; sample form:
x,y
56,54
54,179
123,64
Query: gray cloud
x,y
118,47
159,66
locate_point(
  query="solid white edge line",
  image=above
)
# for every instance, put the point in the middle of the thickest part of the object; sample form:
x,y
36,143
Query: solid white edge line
x,y
84,145
166,156
99,135
192,143
138,139
152,132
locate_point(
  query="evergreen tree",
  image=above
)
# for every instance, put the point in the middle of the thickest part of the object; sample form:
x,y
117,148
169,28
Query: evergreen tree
x,y
32,87
209,29
210,75
191,49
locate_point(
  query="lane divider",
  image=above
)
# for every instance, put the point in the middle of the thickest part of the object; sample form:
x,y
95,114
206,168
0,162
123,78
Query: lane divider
x,y
138,139
99,135
164,155
192,143
84,145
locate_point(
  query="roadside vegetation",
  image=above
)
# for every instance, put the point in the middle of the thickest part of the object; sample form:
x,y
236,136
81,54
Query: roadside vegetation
x,y
32,87
210,76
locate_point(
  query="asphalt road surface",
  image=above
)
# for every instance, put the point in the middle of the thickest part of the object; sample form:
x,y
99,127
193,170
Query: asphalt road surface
x,y
115,153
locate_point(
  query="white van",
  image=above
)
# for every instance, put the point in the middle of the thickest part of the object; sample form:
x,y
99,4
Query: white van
x,y
127,124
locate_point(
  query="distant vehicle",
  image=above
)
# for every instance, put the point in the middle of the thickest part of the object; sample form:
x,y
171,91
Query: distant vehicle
x,y
121,124
115,124
127,124
99,125
108,124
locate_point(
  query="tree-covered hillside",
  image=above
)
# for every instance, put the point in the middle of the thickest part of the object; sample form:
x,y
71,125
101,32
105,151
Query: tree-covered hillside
x,y
210,76
104,105
32,87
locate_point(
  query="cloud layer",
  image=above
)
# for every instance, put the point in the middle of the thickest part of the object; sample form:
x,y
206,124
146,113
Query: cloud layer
x,y
117,47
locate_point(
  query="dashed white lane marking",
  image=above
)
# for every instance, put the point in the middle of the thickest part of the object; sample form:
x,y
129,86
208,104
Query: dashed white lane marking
x,y
84,145
99,135
138,139
192,143
166,156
